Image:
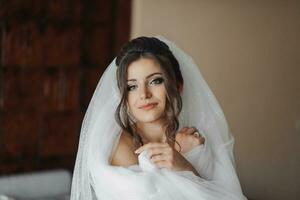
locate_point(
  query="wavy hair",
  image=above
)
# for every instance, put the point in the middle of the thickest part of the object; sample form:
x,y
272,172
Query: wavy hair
x,y
152,48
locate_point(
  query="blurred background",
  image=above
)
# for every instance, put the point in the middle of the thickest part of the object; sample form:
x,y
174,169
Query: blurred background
x,y
52,56
54,52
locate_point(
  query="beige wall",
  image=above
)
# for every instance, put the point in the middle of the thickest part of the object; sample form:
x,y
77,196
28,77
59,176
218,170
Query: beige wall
x,y
249,53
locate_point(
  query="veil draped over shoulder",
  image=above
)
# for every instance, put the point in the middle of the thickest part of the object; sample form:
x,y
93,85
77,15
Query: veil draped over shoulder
x,y
95,178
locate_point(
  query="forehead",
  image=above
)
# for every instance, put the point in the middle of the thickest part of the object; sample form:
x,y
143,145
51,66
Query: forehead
x,y
142,67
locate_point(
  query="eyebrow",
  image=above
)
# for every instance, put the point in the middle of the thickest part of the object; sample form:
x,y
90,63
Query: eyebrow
x,y
156,73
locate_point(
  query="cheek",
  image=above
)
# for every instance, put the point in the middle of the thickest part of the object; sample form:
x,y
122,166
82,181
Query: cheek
x,y
131,101
161,94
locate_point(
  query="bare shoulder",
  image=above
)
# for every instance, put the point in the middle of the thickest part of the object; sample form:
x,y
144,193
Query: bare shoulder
x,y
124,154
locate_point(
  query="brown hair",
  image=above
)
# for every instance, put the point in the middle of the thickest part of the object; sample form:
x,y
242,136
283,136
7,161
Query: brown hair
x,y
153,48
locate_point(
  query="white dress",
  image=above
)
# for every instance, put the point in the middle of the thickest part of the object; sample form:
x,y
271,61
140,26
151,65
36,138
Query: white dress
x,y
147,182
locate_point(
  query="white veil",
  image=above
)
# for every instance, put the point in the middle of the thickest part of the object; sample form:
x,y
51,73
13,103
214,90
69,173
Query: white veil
x,y
95,178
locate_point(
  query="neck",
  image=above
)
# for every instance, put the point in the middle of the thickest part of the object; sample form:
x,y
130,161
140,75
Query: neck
x,y
151,132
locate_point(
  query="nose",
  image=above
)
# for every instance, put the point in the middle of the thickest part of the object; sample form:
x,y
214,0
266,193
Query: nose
x,y
145,93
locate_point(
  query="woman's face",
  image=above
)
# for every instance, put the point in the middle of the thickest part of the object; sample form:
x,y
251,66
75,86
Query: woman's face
x,y
146,90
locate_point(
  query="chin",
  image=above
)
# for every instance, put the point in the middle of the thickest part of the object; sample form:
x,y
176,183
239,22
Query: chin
x,y
149,118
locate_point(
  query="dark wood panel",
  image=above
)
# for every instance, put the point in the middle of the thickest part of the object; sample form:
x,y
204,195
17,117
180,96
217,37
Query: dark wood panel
x,y
53,54
22,45
20,134
22,90
60,134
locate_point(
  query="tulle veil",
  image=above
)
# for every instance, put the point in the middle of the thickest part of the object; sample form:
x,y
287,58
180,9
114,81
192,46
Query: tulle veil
x,y
95,178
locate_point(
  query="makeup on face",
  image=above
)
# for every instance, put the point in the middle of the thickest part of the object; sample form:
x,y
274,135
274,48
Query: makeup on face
x,y
146,90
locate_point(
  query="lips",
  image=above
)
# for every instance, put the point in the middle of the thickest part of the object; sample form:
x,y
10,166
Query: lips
x,y
148,106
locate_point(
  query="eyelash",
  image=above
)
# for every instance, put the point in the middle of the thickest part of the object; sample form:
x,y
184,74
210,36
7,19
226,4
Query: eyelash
x,y
156,81
129,87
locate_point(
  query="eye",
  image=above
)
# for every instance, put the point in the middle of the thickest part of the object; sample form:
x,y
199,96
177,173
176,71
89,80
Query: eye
x,y
131,87
157,81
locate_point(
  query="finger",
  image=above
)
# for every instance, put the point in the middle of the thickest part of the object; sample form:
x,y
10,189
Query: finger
x,y
183,129
154,151
150,146
199,140
202,140
190,131
159,151
160,157
196,134
163,164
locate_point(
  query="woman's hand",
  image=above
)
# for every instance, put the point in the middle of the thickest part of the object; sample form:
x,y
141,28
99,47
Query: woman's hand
x,y
163,155
188,138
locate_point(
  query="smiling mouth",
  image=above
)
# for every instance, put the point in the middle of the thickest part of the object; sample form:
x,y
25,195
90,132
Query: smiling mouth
x,y
148,106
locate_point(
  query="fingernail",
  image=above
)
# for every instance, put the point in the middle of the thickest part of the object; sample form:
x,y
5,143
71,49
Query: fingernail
x,y
137,151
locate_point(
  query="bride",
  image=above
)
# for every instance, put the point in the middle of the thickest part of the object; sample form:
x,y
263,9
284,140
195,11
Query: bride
x,y
130,146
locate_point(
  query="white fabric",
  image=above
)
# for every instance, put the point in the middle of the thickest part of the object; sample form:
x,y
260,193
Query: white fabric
x,y
95,178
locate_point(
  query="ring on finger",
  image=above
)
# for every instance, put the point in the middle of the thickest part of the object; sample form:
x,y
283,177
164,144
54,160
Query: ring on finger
x,y
197,134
